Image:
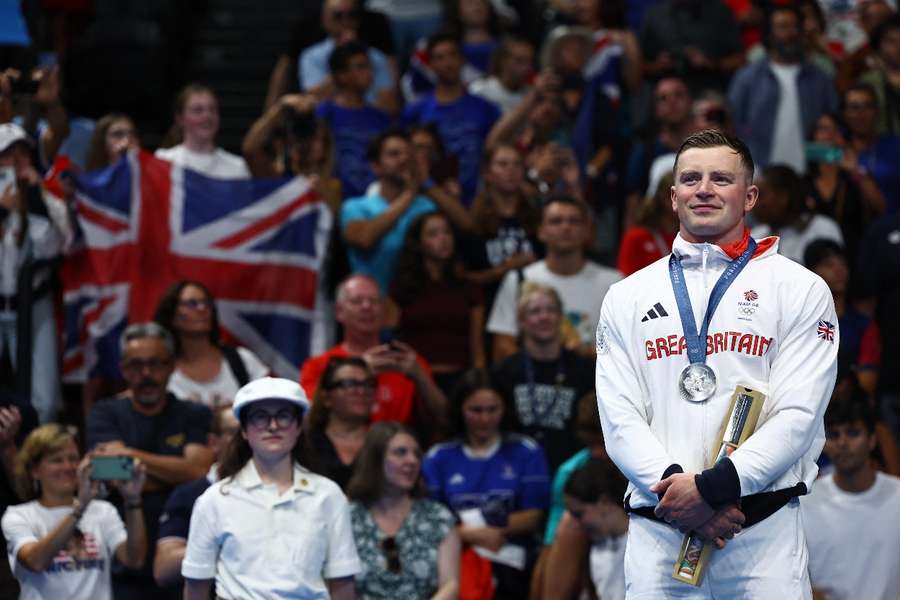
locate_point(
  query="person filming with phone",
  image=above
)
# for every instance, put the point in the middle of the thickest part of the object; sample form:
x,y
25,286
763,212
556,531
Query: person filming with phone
x,y
61,541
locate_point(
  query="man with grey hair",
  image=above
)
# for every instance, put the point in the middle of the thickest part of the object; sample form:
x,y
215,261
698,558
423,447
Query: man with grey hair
x,y
149,424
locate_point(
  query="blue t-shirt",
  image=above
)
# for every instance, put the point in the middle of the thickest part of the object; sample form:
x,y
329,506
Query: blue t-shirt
x,y
881,162
353,129
513,478
464,126
379,261
175,521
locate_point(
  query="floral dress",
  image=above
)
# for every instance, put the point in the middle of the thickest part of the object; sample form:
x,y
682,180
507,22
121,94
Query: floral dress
x,y
417,541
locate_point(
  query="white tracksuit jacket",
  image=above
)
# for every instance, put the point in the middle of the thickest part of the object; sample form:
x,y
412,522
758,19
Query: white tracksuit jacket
x,y
775,330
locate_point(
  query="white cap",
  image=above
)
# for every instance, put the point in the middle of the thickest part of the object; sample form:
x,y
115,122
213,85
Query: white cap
x,y
10,133
270,388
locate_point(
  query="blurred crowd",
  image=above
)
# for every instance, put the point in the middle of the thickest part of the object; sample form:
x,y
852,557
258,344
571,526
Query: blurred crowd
x,y
492,167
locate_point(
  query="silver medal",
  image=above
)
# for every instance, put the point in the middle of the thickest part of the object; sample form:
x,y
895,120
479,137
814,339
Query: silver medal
x,y
697,382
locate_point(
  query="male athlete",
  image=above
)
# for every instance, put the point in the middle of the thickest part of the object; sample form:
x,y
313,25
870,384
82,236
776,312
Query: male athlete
x,y
673,342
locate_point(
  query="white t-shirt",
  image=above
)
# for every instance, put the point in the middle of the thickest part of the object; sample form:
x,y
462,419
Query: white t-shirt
x,y
218,163
220,390
582,295
258,544
854,539
81,571
792,242
787,139
607,563
492,90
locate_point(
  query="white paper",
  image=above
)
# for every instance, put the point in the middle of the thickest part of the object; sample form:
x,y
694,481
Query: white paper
x,y
511,555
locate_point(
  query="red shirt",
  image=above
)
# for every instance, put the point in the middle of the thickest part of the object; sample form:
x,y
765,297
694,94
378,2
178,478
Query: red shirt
x,y
394,395
640,247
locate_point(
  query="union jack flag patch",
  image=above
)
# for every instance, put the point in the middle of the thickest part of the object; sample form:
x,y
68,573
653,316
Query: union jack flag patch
x,y
825,331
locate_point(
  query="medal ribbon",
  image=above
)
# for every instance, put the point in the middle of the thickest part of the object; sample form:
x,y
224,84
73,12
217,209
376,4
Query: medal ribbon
x,y
694,340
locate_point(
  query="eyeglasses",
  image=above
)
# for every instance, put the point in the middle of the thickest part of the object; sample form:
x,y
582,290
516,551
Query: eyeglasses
x,y
391,554
195,303
155,365
353,384
260,419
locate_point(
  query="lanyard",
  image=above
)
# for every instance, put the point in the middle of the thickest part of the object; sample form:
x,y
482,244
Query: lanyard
x,y
538,418
694,340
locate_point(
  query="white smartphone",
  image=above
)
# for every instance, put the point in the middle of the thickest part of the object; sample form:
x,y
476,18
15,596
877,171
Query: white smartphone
x,y
7,179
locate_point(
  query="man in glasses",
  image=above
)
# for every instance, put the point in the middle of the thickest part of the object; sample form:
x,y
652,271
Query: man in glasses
x,y
149,424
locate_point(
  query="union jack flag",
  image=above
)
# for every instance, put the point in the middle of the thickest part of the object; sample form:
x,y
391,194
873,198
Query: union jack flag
x,y
145,224
825,331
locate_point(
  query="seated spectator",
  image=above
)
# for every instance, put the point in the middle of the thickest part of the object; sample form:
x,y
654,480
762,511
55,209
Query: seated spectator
x,y
409,546
17,419
191,143
341,22
698,41
505,218
838,188
651,236
580,283
61,542
439,312
269,523
175,521
673,121
544,381
495,481
406,391
775,102
206,370
44,136
442,171
353,121
374,226
35,230
507,81
114,135
615,60
869,153
885,40
374,30
870,15
594,527
783,211
151,425
476,24
336,427
854,504
859,351
289,140
464,120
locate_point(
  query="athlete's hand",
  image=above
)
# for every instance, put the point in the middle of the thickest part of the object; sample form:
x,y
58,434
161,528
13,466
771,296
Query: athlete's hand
x,y
724,524
681,504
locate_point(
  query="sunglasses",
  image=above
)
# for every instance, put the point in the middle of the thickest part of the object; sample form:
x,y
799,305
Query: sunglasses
x,y
391,554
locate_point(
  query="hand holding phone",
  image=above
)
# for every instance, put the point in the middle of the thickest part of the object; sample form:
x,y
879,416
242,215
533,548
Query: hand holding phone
x,y
112,468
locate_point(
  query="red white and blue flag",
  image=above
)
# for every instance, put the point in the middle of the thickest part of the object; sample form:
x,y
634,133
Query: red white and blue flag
x,y
145,224
825,331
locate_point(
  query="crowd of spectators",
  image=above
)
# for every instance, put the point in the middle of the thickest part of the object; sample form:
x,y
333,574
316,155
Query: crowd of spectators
x,y
492,168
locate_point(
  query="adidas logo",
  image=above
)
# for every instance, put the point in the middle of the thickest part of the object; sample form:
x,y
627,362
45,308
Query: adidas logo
x,y
654,313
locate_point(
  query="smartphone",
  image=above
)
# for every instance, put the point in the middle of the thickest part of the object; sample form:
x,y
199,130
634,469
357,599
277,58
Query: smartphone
x,y
7,179
823,153
111,468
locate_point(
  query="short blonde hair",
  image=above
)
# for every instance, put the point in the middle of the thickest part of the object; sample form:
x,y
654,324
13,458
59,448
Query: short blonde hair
x,y
531,289
41,442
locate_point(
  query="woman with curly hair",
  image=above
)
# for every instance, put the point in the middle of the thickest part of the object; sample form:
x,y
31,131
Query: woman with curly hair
x,y
435,303
206,371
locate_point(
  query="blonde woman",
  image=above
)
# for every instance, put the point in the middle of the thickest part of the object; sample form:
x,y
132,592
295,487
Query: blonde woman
x,y
61,542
